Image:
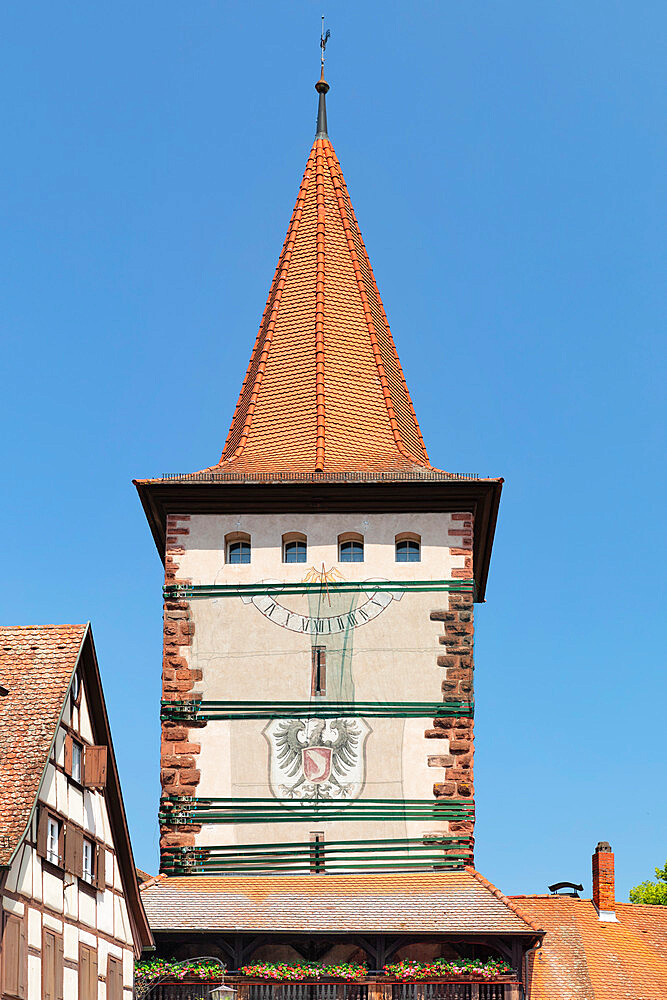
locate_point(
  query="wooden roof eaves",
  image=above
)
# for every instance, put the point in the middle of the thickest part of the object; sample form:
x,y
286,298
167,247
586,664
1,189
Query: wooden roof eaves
x,y
480,496
143,937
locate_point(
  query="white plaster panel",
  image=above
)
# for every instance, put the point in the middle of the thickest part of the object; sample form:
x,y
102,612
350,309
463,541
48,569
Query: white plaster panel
x,y
128,968
37,892
108,869
105,825
117,881
59,747
71,942
76,804
13,906
85,727
62,798
35,977
70,983
14,871
34,928
90,812
121,921
72,898
87,909
53,923
47,792
24,885
53,891
105,912
87,938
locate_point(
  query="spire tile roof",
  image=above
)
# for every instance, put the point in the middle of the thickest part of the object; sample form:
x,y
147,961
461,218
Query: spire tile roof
x,y
324,390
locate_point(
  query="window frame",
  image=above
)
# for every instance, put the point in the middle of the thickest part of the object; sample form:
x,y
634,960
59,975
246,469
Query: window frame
x,y
345,543
88,842
407,538
52,822
234,539
318,671
76,772
291,538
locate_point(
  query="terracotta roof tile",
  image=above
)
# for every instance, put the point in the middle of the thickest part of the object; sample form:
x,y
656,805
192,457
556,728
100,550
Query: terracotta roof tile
x,y
583,958
442,901
324,390
36,665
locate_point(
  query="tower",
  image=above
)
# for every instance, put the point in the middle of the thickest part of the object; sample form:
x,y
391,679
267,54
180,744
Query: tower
x,y
317,714
319,589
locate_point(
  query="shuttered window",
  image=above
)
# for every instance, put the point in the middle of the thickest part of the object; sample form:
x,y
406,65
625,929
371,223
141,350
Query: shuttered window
x,y
73,849
95,767
114,979
52,966
13,956
87,973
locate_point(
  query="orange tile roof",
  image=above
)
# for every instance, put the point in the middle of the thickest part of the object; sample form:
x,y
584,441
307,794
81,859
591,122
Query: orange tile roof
x,y
443,902
324,390
583,958
36,665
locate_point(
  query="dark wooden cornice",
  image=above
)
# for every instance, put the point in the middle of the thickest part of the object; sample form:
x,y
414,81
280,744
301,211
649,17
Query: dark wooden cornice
x,y
479,496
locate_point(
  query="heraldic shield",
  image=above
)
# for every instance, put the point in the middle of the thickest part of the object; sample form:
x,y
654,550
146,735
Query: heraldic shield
x,y
317,758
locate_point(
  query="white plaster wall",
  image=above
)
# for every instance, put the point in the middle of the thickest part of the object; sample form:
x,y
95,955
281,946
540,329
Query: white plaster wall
x,y
244,655
35,978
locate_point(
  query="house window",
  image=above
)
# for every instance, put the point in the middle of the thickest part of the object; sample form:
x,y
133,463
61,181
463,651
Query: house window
x,y
318,682
237,547
295,548
408,548
53,831
88,864
351,547
77,761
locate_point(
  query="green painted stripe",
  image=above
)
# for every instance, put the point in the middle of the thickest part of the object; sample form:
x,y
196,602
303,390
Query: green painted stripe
x,y
191,591
209,711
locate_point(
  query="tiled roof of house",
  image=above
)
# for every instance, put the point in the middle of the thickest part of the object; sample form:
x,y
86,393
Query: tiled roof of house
x,y
36,666
584,958
445,902
324,390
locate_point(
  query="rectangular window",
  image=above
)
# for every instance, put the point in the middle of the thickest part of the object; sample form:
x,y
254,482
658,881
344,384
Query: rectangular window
x,y
53,831
318,681
77,761
317,852
88,866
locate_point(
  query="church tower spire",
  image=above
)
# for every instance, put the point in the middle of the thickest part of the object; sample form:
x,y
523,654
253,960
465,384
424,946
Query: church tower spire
x,y
324,390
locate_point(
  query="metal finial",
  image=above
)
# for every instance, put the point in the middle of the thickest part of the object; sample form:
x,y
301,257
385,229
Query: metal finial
x,y
322,87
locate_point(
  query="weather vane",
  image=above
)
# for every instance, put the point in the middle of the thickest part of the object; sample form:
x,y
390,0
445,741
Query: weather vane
x,y
324,38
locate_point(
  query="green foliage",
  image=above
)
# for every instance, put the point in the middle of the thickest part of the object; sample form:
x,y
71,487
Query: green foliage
x,y
652,892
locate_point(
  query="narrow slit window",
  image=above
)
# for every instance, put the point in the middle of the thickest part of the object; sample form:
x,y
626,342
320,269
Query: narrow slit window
x,y
318,685
77,760
317,852
88,865
53,840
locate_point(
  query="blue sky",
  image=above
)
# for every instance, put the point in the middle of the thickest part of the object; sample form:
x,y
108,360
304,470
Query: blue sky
x,y
507,165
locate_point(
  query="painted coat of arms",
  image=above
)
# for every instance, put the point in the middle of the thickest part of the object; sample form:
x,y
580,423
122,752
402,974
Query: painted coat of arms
x,y
317,758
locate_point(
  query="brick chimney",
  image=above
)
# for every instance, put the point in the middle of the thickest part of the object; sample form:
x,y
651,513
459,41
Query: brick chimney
x,y
603,881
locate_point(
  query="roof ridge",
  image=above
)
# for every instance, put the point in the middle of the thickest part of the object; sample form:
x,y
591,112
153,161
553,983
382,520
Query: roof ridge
x,y
505,899
275,296
386,393
320,245
384,316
